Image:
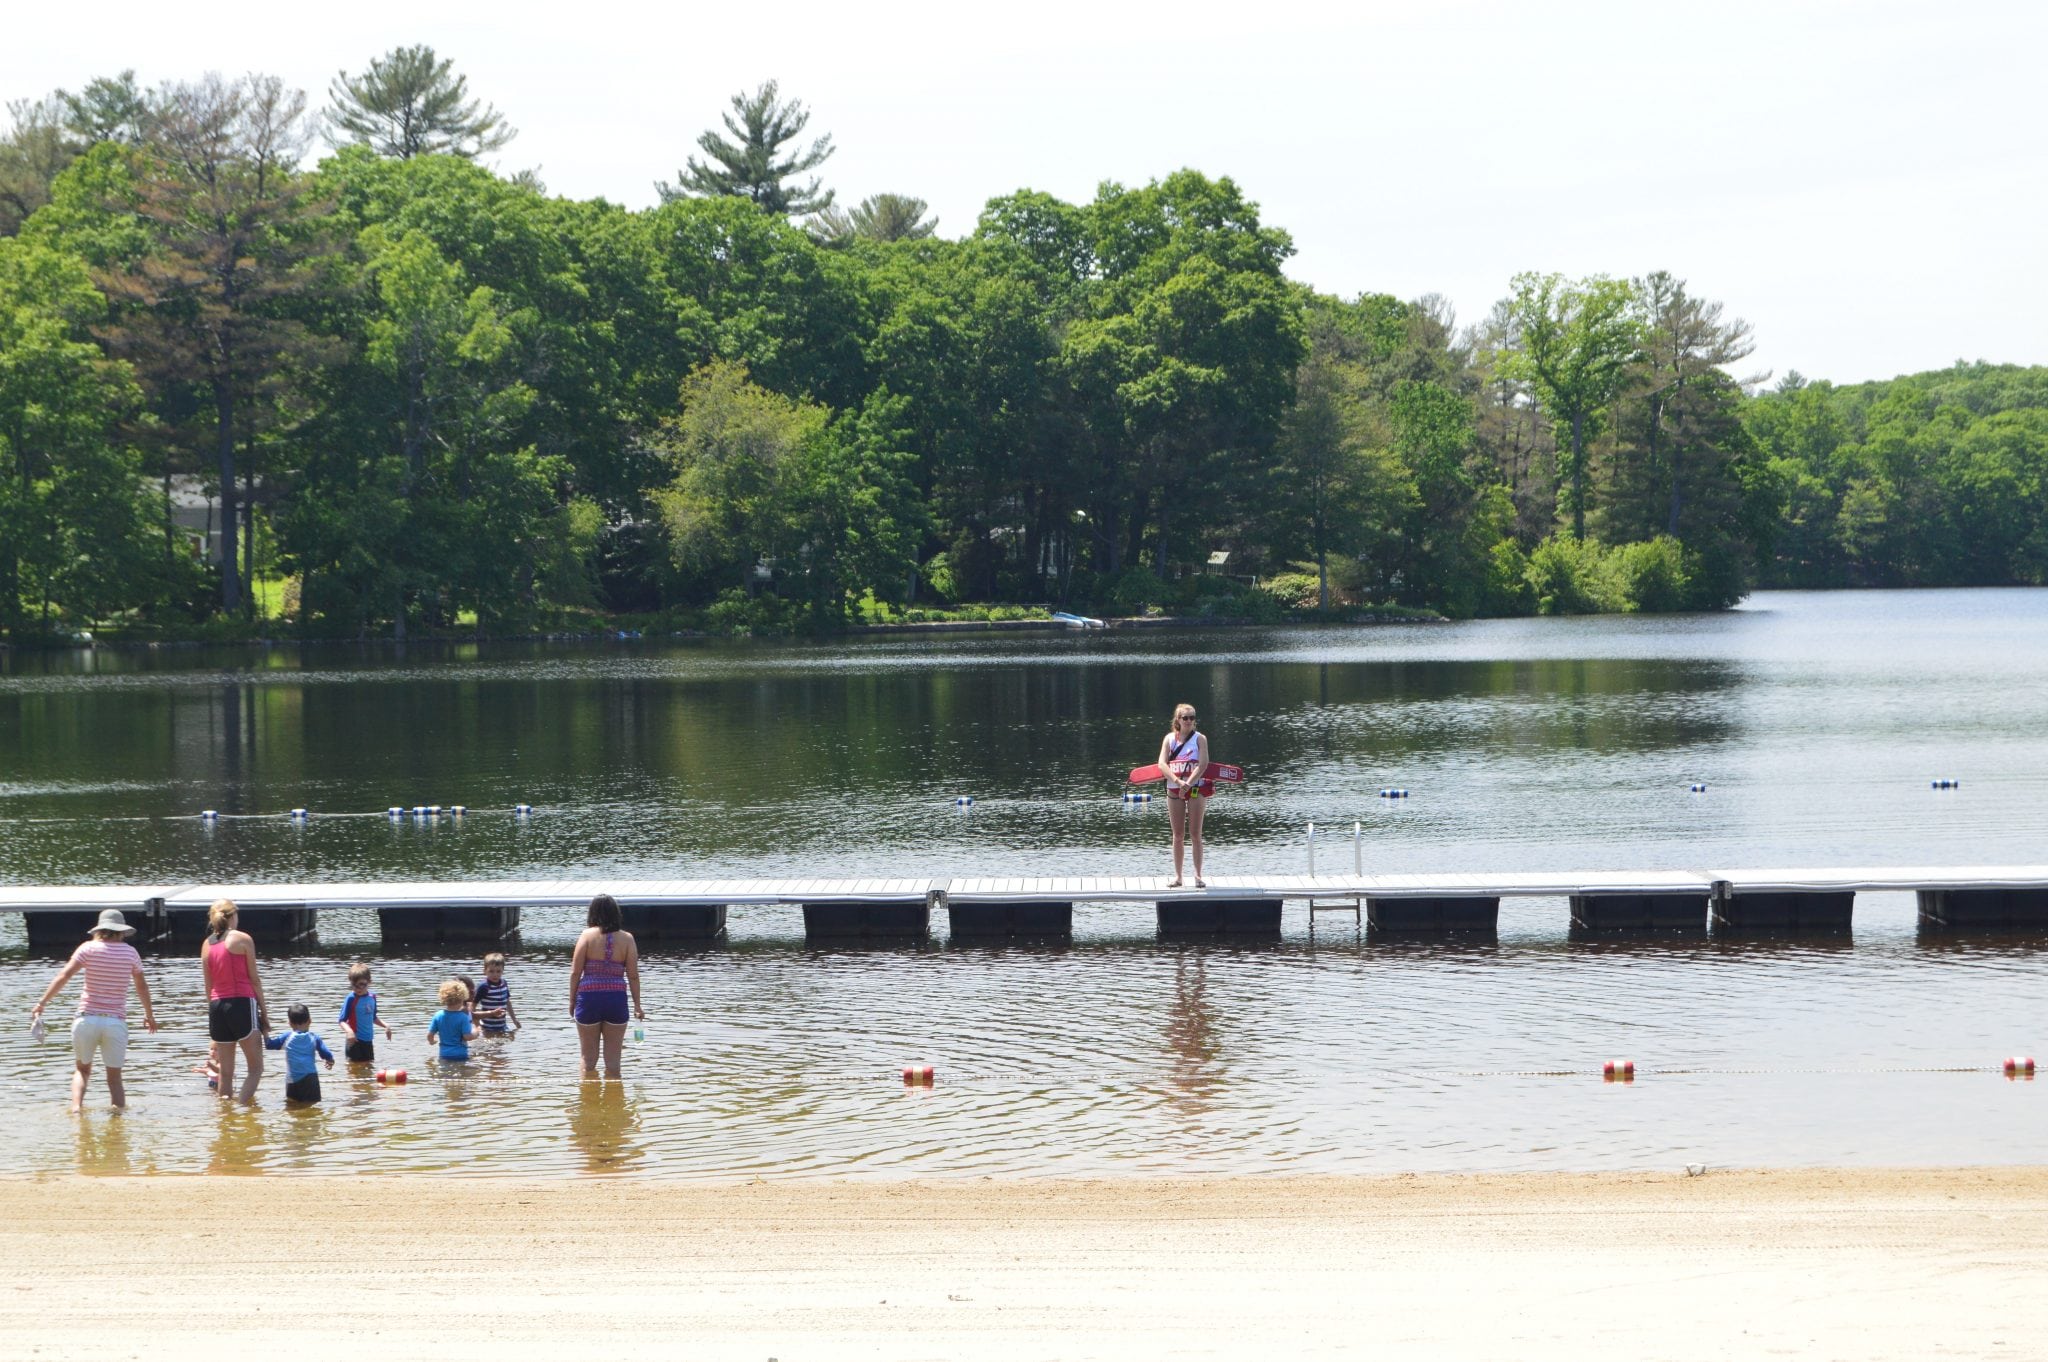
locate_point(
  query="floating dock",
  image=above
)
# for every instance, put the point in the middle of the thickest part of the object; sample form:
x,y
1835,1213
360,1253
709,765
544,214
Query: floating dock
x,y
1600,903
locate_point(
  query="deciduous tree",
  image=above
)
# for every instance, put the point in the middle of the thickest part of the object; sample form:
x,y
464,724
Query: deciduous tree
x,y
1577,341
231,229
72,534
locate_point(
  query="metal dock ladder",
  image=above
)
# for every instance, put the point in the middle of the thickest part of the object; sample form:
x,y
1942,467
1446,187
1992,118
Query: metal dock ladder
x,y
1353,904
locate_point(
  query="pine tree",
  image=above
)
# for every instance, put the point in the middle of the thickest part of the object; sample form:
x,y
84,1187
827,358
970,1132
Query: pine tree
x,y
108,109
749,167
880,217
411,104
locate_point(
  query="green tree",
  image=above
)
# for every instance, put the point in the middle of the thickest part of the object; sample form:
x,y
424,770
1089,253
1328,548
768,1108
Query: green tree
x,y
34,151
739,284
1185,356
73,538
734,450
1341,481
879,217
1684,340
109,109
965,334
231,232
1513,438
857,517
411,103
1995,481
1577,339
430,456
751,163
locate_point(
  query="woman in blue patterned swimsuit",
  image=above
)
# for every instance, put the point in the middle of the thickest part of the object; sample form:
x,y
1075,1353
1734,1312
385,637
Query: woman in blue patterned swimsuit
x,y
604,971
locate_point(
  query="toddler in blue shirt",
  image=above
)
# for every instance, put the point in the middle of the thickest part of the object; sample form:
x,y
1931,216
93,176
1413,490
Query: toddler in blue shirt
x,y
301,1048
451,1026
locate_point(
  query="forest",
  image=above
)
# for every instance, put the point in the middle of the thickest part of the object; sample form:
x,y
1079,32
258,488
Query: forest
x,y
414,395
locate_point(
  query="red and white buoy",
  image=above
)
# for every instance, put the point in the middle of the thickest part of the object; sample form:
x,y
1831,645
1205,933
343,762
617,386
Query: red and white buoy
x,y
2019,1066
916,1076
391,1075
1619,1071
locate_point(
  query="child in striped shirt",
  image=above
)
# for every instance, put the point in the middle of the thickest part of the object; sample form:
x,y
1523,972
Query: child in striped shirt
x,y
494,1011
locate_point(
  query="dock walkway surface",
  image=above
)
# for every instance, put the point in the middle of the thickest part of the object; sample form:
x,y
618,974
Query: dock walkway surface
x,y
1961,898
941,890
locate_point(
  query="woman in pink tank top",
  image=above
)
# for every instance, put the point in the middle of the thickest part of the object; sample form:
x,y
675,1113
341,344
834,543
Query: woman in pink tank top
x,y
236,1017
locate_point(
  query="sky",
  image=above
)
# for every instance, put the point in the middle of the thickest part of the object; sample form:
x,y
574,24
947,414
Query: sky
x,y
1866,183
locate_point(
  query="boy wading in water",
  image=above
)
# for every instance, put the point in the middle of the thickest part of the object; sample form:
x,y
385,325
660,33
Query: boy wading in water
x,y
494,1011
301,1049
359,1014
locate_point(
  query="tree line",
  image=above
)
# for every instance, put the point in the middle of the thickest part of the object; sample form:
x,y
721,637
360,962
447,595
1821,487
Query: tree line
x,y
431,396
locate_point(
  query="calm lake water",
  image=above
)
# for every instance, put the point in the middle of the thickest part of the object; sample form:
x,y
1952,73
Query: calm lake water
x,y
1816,721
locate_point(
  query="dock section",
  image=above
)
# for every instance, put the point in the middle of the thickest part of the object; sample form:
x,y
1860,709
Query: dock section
x,y
1601,903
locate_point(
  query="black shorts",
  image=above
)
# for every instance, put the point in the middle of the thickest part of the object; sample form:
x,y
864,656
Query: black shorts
x,y
305,1089
360,1052
231,1019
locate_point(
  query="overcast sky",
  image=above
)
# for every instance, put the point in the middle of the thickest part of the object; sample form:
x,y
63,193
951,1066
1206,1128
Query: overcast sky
x,y
1866,182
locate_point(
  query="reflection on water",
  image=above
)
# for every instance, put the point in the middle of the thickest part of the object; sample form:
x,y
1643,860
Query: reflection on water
x,y
603,1123
1815,721
1190,1038
239,1142
104,1146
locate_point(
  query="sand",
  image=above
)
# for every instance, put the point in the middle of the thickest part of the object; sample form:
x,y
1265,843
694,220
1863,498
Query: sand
x,y
1810,1264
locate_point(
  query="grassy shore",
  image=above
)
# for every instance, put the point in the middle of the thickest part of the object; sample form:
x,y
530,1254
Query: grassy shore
x,y
1832,1263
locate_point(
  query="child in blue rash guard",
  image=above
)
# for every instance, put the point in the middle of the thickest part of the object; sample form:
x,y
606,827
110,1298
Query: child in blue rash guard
x,y
301,1048
494,1011
359,1015
451,1026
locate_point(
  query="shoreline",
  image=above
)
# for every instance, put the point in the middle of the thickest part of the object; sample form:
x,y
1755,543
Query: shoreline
x,y
1895,1262
1111,624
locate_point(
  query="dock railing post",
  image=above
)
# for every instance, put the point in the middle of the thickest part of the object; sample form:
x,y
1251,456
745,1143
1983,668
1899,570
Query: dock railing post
x,y
1357,852
1311,851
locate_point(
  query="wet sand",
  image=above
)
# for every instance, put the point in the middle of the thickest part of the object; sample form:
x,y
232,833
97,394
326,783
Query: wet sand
x,y
1811,1264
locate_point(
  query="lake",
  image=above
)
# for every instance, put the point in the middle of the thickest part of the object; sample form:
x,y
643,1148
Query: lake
x,y
1816,721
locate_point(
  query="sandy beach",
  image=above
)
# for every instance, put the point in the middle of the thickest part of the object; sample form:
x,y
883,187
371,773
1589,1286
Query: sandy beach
x,y
1810,1264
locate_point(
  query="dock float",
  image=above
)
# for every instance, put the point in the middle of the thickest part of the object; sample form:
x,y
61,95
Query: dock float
x,y
1601,903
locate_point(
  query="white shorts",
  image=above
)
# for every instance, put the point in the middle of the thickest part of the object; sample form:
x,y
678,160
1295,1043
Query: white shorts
x,y
107,1035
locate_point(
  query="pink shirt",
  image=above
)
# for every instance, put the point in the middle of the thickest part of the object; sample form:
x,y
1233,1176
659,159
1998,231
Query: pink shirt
x,y
229,973
109,966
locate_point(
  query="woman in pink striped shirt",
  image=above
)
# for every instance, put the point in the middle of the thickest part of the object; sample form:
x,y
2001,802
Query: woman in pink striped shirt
x,y
110,964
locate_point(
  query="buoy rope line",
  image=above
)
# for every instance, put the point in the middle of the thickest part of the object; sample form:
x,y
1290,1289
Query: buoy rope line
x,y
446,814
486,1072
